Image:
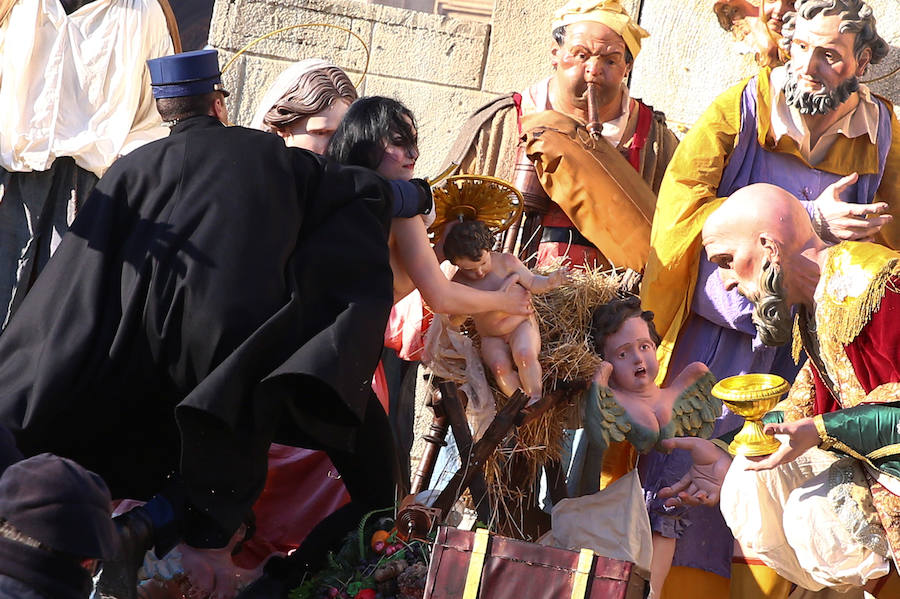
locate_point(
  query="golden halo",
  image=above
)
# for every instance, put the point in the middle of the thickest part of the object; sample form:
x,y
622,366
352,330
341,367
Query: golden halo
x,y
495,202
301,26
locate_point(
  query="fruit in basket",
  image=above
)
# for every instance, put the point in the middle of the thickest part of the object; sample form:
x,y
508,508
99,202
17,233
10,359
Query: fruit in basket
x,y
379,536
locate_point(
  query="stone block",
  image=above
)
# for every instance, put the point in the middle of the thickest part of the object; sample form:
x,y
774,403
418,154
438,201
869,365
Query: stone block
x,y
440,112
452,53
243,21
402,43
884,77
687,61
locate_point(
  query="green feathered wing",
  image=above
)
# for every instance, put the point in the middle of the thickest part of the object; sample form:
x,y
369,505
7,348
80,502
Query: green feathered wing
x,y
695,411
605,420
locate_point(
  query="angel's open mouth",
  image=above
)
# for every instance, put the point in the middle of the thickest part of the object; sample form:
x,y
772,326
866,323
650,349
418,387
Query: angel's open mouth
x,y
640,371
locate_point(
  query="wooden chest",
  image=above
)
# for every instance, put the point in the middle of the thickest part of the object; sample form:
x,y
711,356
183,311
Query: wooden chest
x,y
479,565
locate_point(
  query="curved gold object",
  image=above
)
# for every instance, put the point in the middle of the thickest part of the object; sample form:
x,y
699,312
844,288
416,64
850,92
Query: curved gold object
x,y
752,396
495,202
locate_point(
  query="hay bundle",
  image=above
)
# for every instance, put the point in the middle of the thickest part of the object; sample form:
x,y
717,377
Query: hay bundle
x,y
564,317
568,361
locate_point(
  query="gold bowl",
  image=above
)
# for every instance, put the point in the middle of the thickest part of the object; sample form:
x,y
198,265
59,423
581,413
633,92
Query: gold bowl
x,y
751,396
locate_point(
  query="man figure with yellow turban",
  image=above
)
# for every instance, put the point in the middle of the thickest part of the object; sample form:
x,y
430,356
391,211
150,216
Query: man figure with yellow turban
x,y
594,42
809,127
589,168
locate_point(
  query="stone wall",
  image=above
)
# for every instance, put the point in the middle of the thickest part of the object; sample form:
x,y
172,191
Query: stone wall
x,y
443,68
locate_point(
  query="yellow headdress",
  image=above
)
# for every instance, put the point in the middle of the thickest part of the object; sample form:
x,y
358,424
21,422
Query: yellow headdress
x,y
609,12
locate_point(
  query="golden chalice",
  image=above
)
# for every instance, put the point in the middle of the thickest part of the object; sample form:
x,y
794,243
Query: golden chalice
x,y
751,396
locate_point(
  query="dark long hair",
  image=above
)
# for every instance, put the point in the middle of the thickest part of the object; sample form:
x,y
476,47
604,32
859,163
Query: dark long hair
x,y
371,123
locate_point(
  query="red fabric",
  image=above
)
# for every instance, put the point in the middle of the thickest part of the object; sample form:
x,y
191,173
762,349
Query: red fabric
x,y
301,490
825,401
406,327
639,139
380,387
517,100
576,255
874,354
555,217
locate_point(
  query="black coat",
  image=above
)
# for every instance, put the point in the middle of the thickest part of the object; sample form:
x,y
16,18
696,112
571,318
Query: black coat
x,y
218,290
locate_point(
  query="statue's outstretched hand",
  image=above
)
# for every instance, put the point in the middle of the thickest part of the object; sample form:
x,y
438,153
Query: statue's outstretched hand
x,y
703,481
802,435
842,221
558,278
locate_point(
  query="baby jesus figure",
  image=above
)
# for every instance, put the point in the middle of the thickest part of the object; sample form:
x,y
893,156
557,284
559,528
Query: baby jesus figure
x,y
506,339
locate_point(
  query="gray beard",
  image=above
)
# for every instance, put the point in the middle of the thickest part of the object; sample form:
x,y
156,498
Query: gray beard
x,y
771,312
820,102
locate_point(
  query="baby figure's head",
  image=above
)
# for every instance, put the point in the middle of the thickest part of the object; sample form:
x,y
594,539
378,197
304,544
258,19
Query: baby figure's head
x,y
624,336
467,245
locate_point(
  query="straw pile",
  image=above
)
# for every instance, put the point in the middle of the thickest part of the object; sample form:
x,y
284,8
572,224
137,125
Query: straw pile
x,y
564,317
568,361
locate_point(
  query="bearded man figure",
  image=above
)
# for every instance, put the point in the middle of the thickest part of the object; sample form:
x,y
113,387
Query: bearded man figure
x,y
824,509
809,127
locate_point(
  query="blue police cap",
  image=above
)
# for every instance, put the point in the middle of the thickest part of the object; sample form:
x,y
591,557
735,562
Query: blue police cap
x,y
186,74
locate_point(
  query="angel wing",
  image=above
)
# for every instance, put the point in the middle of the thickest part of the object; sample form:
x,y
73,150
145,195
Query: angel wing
x,y
695,410
605,420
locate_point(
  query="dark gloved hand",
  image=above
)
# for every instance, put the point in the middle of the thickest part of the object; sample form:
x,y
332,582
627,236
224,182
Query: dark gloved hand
x,y
118,579
411,198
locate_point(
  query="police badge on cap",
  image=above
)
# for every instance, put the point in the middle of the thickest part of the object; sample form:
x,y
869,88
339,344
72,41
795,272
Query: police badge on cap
x,y
186,74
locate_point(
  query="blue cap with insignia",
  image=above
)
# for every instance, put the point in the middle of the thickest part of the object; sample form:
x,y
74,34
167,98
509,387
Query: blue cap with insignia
x,y
186,74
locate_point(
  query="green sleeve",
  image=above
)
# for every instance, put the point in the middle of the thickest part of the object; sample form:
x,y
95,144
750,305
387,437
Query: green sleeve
x,y
773,417
867,432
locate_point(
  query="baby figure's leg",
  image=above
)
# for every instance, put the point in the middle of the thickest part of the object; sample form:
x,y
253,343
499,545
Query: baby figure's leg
x,y
495,353
525,344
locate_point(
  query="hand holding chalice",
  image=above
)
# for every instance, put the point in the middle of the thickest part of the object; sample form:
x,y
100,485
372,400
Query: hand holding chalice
x,y
751,396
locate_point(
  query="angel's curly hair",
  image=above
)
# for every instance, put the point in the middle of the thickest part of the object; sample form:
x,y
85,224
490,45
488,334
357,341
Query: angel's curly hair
x,y
608,318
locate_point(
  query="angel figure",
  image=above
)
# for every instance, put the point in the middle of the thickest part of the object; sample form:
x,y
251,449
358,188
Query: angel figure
x,y
624,402
626,413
